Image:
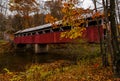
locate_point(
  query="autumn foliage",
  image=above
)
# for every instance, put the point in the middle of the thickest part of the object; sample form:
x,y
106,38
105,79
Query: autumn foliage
x,y
50,19
24,8
72,16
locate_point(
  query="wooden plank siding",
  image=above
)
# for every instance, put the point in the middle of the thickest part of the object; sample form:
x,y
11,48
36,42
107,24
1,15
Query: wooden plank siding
x,y
90,34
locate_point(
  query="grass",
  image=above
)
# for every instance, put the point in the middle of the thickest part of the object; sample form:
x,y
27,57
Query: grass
x,y
5,47
2,42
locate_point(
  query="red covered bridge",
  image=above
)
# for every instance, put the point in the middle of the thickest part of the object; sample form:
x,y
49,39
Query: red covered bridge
x,y
45,34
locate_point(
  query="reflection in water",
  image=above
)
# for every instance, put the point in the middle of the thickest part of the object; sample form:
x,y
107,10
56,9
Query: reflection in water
x,y
20,61
15,62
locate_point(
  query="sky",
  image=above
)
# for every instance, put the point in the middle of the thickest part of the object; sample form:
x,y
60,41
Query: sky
x,y
86,3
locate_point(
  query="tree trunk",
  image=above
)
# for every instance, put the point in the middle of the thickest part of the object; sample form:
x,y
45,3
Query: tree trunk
x,y
118,16
115,44
105,62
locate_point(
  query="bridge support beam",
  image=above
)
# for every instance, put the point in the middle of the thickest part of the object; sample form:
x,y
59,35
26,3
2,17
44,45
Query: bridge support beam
x,y
41,48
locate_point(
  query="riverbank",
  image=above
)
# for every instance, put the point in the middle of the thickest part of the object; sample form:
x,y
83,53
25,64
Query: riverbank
x,y
5,46
65,62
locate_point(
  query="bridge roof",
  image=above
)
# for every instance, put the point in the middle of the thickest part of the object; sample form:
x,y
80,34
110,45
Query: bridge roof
x,y
38,27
